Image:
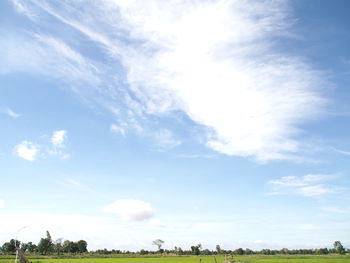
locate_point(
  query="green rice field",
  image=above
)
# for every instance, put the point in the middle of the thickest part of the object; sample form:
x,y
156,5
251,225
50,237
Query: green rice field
x,y
204,259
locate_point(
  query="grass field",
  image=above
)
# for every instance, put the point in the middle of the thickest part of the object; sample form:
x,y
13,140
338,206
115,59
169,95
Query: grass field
x,y
205,259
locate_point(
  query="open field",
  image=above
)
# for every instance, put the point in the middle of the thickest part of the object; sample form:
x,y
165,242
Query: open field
x,y
194,259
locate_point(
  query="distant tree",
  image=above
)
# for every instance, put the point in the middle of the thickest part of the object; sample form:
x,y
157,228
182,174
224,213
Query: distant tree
x,y
338,247
143,252
58,246
10,247
82,246
238,251
248,251
158,243
206,252
29,247
218,249
196,249
72,247
45,245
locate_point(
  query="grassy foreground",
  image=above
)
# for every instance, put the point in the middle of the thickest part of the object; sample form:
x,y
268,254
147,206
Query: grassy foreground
x,y
194,259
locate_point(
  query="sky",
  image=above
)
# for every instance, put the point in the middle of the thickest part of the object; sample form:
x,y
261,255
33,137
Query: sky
x,y
214,122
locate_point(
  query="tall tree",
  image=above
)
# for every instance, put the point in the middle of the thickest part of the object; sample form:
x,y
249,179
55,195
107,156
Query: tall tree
x,y
338,247
45,245
158,243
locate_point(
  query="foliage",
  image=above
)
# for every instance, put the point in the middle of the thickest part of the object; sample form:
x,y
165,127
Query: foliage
x,y
338,247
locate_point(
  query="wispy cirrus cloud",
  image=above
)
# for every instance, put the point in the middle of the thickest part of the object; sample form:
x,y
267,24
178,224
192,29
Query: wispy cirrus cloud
x,y
340,151
225,73
164,139
310,185
72,183
11,113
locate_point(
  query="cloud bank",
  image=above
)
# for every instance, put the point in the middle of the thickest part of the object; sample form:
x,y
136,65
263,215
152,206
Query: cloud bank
x,y
217,62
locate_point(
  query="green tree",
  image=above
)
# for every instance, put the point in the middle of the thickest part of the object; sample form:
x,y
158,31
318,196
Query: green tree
x,y
82,246
338,247
10,247
196,249
239,251
29,247
70,247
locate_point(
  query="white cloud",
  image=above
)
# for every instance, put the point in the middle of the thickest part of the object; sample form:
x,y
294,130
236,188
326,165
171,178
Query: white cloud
x,y
130,210
341,151
27,150
117,129
11,113
315,190
2,203
22,7
46,55
225,73
222,72
310,185
57,140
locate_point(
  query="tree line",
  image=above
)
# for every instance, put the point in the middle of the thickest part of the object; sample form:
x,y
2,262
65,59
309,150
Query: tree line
x,y
338,248
47,246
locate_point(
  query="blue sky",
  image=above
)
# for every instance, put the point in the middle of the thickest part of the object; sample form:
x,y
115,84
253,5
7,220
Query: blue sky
x,y
213,122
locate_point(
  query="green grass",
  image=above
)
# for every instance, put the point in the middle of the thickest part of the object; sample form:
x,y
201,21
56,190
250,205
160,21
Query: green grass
x,y
204,259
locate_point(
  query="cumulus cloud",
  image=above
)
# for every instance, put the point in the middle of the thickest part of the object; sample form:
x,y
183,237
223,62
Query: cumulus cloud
x,y
58,138
2,203
225,73
130,210
55,146
27,150
310,185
